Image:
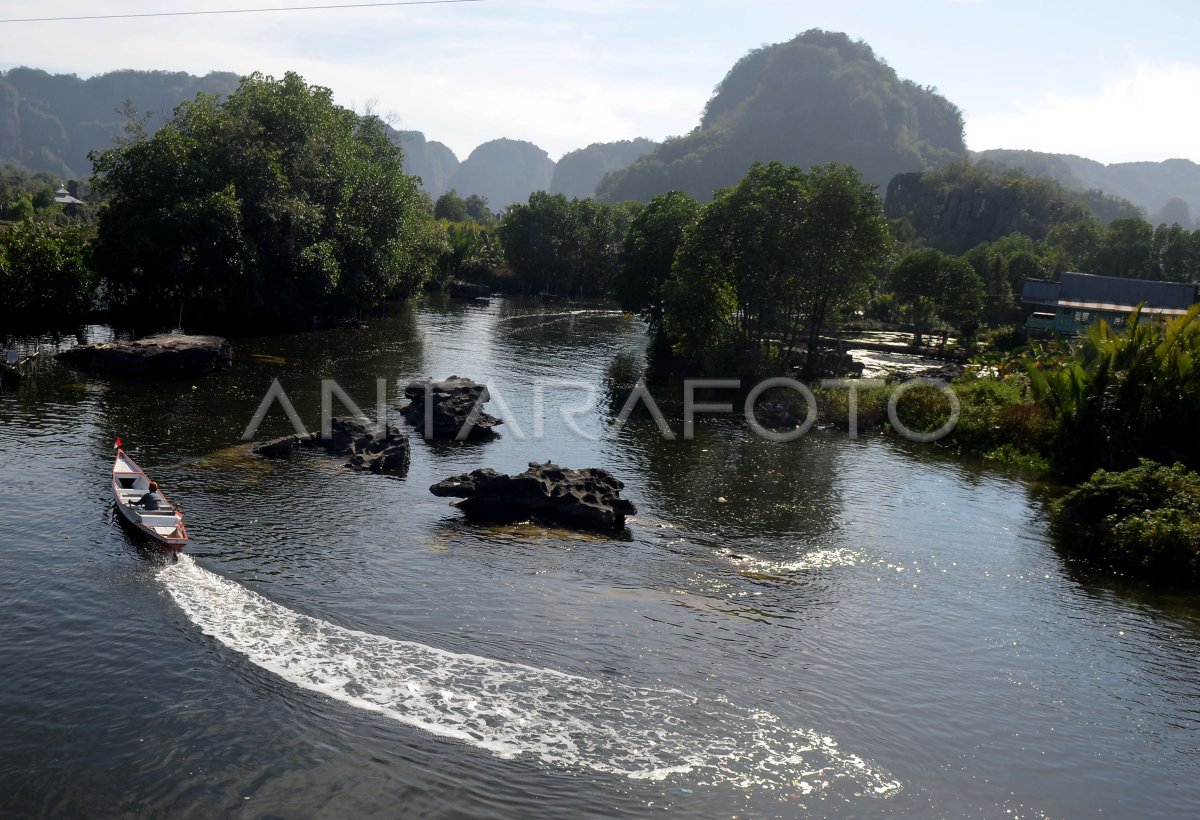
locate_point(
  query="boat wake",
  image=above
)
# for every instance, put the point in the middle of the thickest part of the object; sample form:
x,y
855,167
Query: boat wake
x,y
517,711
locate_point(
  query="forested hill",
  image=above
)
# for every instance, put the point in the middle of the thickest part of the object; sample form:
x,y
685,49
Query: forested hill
x,y
504,171
49,122
818,98
1168,190
958,206
432,161
579,172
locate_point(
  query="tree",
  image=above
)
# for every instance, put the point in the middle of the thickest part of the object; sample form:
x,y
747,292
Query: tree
x,y
846,238
932,284
477,209
269,207
537,237
1003,266
780,253
42,273
1126,250
1176,254
451,206
556,245
1075,245
915,283
649,252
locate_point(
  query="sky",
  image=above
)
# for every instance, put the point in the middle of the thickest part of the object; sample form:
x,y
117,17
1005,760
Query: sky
x,y
1112,81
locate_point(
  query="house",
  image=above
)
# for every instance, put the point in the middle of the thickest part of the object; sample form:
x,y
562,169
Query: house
x,y
1081,299
63,197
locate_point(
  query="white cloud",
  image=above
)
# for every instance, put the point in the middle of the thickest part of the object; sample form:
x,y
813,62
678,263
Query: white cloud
x,y
540,70
1148,114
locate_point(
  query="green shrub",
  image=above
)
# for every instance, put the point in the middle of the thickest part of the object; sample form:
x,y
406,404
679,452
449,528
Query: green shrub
x,y
1125,394
43,277
997,419
1145,521
1006,338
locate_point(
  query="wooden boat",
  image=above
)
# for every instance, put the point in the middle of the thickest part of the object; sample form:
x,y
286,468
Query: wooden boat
x,y
15,367
165,524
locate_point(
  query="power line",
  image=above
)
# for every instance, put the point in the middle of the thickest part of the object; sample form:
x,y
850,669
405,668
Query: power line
x,y
236,11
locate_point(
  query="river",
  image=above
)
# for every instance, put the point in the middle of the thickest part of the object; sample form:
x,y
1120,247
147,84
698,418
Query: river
x,y
831,626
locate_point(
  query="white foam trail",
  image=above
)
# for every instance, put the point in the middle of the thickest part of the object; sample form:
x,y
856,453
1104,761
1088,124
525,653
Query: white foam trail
x,y
512,710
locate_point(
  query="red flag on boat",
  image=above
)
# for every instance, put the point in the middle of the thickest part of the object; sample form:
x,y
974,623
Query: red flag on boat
x,y
117,446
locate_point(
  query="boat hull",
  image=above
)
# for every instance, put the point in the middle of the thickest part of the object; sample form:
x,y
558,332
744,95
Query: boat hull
x,y
129,484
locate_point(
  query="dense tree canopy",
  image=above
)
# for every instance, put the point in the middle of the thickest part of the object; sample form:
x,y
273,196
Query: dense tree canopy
x,y
271,206
780,254
43,277
565,246
649,253
451,206
934,284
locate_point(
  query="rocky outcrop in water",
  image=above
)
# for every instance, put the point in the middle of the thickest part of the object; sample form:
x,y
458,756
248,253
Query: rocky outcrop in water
x,y
368,448
777,416
154,356
588,499
447,407
470,290
834,363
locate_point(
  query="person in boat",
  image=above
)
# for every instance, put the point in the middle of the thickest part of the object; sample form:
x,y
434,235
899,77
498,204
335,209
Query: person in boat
x,y
152,500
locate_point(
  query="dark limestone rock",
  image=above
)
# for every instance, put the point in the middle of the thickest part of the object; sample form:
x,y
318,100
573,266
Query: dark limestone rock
x,y
588,499
834,363
775,415
449,405
469,290
283,447
368,448
162,355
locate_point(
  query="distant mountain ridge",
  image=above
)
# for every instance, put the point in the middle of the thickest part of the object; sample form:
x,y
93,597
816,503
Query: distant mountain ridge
x,y
432,161
505,171
816,98
49,122
1150,185
579,172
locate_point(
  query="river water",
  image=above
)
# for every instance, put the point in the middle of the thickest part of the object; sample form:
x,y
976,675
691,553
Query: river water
x,y
829,627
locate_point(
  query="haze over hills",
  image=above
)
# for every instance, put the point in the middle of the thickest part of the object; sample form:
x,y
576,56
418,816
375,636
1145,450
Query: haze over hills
x,y
579,172
505,171
432,161
817,98
49,122
1152,185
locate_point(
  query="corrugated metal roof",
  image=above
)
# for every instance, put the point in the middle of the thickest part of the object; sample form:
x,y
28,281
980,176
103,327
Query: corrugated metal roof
x,y
1088,291
1086,287
1113,307
1044,292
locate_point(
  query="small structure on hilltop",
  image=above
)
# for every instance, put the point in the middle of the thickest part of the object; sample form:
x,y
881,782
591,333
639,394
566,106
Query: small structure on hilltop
x,y
1078,300
63,197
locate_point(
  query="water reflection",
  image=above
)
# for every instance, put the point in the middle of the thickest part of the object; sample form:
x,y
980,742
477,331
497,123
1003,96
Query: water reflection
x,y
904,602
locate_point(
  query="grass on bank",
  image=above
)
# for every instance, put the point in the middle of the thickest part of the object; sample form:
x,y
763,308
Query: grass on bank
x,y
998,420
